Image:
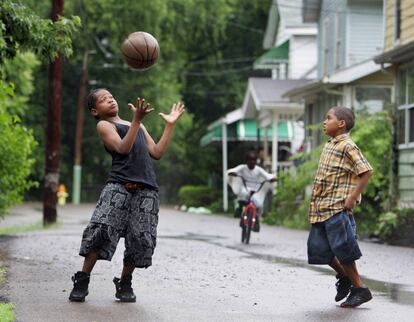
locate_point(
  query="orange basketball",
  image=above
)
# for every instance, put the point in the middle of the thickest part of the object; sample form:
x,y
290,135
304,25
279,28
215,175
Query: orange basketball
x,y
140,50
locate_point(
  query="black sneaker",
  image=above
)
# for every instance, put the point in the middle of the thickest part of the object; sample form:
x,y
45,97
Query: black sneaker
x,y
343,286
256,226
238,212
124,291
358,296
80,287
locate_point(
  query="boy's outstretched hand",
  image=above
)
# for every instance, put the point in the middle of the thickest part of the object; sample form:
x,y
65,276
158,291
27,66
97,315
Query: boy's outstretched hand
x,y
140,110
176,110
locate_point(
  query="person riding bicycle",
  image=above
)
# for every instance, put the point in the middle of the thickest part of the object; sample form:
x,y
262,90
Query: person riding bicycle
x,y
253,176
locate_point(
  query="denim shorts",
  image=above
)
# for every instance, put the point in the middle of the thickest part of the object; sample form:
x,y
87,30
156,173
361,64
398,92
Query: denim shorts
x,y
119,213
335,237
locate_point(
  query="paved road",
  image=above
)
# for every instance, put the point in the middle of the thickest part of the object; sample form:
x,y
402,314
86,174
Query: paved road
x,y
201,272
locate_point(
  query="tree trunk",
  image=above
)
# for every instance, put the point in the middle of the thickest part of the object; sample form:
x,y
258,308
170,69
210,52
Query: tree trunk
x,y
52,155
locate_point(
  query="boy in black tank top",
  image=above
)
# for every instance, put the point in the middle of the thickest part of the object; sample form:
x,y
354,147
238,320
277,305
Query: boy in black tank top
x,y
129,203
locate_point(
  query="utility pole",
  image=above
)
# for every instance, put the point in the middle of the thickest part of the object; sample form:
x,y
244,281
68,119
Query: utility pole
x,y
52,155
77,167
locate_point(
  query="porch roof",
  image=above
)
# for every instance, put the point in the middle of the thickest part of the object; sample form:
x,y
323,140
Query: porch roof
x,y
399,54
342,76
245,130
267,94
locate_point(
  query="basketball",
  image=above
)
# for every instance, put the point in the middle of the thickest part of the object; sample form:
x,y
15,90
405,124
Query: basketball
x,y
140,50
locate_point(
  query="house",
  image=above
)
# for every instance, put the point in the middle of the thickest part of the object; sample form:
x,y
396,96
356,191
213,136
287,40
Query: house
x,y
399,52
350,34
291,44
291,60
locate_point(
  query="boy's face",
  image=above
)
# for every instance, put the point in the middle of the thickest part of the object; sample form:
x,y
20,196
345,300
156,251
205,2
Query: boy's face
x,y
251,162
332,126
105,106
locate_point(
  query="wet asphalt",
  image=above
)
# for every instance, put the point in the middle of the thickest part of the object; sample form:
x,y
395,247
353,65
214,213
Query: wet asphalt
x,y
200,272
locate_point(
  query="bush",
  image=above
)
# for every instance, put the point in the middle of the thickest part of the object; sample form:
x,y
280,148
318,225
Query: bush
x,y
396,227
290,204
16,147
197,196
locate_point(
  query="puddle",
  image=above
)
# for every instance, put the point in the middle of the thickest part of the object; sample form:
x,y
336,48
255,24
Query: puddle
x,y
398,293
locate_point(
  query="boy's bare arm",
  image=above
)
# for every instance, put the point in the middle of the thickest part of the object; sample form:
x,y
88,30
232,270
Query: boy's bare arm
x,y
353,197
157,150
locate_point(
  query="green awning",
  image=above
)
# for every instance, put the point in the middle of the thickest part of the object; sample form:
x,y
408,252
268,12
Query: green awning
x,y
273,57
245,130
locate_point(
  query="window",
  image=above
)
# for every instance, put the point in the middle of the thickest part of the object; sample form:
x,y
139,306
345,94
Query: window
x,y
410,87
372,99
401,127
397,21
402,87
405,126
411,125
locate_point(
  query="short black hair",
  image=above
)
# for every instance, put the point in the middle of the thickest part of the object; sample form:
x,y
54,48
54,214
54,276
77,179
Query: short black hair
x,y
91,98
345,114
251,155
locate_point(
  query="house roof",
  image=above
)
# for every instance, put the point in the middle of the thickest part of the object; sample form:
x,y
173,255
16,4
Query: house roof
x,y
399,54
267,93
342,76
267,90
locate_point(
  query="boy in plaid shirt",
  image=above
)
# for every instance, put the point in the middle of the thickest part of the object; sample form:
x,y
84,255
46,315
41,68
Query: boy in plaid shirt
x,y
342,174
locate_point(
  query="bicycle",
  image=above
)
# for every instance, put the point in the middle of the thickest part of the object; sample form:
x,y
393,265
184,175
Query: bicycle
x,y
249,213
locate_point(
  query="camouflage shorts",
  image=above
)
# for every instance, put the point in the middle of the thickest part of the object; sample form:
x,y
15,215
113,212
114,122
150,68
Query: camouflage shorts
x,y
120,213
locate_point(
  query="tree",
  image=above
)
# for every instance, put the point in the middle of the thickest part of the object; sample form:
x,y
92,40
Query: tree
x,y
198,39
20,31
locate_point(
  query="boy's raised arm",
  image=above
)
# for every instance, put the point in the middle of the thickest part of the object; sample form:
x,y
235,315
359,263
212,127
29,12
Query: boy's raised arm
x,y
157,150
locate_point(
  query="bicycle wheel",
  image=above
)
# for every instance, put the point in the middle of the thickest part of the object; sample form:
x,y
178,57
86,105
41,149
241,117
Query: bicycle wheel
x,y
249,225
244,231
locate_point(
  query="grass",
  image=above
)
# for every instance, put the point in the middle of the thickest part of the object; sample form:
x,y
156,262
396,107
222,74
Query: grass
x,y
6,309
7,312
12,230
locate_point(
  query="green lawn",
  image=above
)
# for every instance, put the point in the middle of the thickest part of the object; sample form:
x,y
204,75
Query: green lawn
x,y
12,230
7,312
6,309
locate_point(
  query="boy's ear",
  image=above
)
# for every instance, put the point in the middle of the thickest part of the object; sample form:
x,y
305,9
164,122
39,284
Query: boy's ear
x,y
94,112
342,123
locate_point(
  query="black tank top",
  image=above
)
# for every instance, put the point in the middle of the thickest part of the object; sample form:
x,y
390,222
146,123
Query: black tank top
x,y
136,166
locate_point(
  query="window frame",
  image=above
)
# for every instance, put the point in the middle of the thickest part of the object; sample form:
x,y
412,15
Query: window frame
x,y
406,108
378,86
404,72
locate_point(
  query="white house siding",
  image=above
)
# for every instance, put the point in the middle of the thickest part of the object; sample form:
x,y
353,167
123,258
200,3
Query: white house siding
x,y
302,55
326,34
365,31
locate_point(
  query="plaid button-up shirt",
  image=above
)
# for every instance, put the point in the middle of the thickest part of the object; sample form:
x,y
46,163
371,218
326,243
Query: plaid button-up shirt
x,y
340,165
